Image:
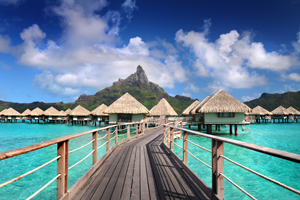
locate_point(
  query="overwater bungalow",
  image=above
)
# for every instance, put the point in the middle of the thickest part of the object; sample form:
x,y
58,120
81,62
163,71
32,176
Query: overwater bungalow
x,y
223,109
25,115
163,108
11,115
99,116
126,109
295,113
52,115
259,114
2,117
36,114
280,114
68,111
197,117
80,115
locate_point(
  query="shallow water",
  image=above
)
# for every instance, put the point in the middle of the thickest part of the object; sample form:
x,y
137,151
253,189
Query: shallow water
x,y
285,137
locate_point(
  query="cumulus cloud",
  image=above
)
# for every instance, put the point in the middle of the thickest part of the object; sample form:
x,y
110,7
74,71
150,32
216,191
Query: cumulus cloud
x,y
232,59
186,94
129,6
192,88
249,98
294,76
4,44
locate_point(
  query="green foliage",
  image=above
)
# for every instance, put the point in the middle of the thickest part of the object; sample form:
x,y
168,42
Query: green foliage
x,y
272,101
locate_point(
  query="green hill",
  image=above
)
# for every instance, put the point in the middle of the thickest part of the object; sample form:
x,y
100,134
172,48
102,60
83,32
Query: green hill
x,y
137,84
272,101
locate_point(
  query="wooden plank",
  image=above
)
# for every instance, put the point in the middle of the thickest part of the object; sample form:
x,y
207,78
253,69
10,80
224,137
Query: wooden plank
x,y
144,179
109,190
151,182
122,176
105,180
135,190
128,180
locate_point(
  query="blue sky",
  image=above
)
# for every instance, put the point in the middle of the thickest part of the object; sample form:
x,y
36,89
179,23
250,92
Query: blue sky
x,y
55,51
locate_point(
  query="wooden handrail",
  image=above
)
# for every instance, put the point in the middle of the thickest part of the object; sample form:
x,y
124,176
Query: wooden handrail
x,y
273,152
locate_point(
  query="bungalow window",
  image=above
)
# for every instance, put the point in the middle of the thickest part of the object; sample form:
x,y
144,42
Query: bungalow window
x,y
124,118
225,115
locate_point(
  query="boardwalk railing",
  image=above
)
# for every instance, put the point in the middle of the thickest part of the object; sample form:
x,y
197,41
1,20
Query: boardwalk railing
x,y
63,154
218,157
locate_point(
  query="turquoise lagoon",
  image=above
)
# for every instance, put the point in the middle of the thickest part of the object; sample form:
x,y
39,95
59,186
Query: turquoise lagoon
x,y
284,137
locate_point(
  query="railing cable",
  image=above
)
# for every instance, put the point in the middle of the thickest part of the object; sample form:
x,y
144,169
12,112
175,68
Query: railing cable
x,y
81,160
102,145
233,183
199,159
199,146
33,195
30,172
102,137
178,145
263,176
81,146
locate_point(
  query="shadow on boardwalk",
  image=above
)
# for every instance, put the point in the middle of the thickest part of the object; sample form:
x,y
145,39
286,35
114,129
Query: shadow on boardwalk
x,y
143,169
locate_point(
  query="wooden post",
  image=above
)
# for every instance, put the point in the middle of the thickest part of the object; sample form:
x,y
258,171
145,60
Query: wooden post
x,y
116,135
62,168
128,131
165,135
172,139
236,130
217,168
95,147
185,147
230,129
108,139
143,127
137,129
219,127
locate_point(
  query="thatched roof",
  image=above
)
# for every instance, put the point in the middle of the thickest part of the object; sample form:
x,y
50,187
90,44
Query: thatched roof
x,y
37,112
221,101
68,111
258,110
62,113
80,111
280,111
163,108
188,110
26,112
199,106
11,112
99,110
2,112
127,104
293,111
52,112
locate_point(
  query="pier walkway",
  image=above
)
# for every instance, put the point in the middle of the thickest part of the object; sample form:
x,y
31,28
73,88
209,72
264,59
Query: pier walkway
x,y
143,169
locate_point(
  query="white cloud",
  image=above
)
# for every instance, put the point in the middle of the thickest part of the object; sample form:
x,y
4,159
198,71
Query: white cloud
x,y
4,66
249,98
291,87
294,76
129,6
4,43
232,58
192,88
297,43
186,94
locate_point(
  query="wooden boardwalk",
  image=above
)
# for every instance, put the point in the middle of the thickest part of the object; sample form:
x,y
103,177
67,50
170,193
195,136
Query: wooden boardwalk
x,y
143,169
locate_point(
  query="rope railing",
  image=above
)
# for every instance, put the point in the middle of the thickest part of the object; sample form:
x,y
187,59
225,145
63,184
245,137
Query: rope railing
x,y
81,160
30,172
102,145
122,134
112,138
263,176
42,188
102,137
81,147
199,160
233,183
199,146
178,145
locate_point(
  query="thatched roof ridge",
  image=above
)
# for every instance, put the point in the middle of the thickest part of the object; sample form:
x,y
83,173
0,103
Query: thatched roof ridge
x,y
11,112
62,113
80,111
280,111
99,110
293,111
37,112
68,111
258,110
163,108
127,104
188,110
199,106
221,101
52,112
26,112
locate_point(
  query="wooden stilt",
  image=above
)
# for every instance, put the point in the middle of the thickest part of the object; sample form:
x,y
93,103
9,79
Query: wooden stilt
x,y
236,130
230,129
219,127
